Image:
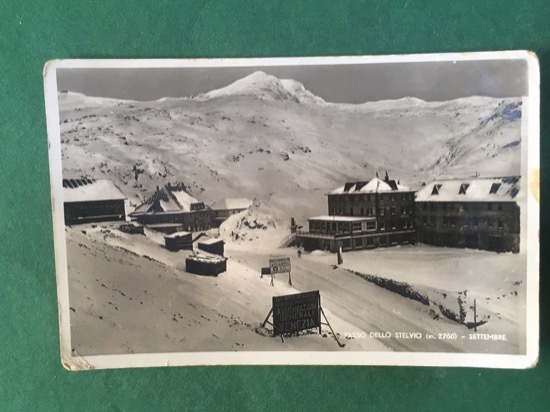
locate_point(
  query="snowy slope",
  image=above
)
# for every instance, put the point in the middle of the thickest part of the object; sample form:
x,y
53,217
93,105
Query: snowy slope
x,y
273,141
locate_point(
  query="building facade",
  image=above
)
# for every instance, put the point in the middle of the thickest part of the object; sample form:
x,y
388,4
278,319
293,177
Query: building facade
x,y
470,213
363,215
223,209
90,200
172,209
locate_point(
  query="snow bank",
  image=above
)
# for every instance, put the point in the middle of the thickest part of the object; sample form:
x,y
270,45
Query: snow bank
x,y
254,226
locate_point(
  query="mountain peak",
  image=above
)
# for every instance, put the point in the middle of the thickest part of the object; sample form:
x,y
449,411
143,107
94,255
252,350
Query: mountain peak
x,y
261,85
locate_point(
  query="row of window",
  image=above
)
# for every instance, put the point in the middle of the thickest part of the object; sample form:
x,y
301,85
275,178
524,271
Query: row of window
x,y
341,211
460,206
464,188
471,222
358,227
370,241
392,197
394,224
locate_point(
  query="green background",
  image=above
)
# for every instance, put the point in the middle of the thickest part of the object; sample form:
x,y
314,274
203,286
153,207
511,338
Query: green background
x,y
32,32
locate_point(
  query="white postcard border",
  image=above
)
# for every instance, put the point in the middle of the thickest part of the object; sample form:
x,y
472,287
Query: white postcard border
x,y
530,127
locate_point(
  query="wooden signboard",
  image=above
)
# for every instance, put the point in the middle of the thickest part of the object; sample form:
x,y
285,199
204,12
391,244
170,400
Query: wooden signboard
x,y
293,313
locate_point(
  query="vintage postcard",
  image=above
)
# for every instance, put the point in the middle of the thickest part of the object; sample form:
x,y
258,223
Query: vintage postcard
x,y
371,210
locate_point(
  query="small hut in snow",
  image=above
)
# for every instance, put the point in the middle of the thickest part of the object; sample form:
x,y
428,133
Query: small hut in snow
x,y
212,245
179,241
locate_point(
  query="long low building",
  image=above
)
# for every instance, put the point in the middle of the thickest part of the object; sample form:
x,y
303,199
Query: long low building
x,y
478,213
90,200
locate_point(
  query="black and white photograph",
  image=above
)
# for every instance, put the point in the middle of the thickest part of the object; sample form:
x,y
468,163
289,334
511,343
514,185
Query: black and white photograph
x,y
370,210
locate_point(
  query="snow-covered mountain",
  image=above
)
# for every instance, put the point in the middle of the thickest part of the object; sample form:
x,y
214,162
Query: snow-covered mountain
x,y
260,85
274,141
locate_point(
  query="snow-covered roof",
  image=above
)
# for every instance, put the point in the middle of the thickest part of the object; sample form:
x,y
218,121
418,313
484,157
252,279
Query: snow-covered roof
x,y
177,234
343,218
232,204
85,190
206,257
498,189
375,185
168,199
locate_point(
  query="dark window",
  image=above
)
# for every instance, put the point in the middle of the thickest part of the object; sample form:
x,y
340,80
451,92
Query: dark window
x,y
371,225
500,206
435,189
463,188
500,223
351,211
475,222
381,211
494,188
490,223
356,226
382,225
489,206
393,224
425,220
405,224
392,210
362,211
445,221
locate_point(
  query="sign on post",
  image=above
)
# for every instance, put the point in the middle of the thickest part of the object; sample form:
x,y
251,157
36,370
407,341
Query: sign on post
x,y
293,313
279,265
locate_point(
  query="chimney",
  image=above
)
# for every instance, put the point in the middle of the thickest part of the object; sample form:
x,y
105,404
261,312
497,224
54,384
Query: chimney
x,y
387,178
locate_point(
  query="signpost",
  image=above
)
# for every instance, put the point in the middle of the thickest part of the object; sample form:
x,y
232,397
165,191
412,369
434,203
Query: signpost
x,y
293,313
280,265
297,312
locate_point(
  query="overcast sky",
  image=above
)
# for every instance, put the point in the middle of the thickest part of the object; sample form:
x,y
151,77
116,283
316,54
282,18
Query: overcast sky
x,y
349,83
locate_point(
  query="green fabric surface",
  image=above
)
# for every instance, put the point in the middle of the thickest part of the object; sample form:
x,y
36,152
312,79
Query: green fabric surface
x,y
32,32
